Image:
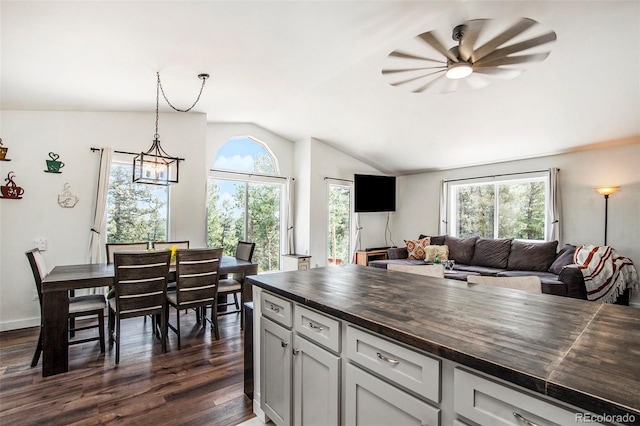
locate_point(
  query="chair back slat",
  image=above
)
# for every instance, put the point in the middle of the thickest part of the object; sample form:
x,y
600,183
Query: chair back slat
x,y
113,248
168,245
197,275
38,269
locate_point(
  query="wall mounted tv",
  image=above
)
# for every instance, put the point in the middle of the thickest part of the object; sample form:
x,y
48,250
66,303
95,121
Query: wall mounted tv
x,y
374,193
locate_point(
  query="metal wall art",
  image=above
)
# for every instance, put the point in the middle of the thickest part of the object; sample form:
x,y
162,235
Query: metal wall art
x,y
53,165
11,190
67,199
3,152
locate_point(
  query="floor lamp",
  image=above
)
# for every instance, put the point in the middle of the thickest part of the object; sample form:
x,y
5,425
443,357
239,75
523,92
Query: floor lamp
x,y
606,191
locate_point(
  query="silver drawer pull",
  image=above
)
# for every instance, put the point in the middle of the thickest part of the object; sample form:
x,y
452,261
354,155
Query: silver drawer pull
x,y
523,420
296,351
284,344
315,327
274,308
389,360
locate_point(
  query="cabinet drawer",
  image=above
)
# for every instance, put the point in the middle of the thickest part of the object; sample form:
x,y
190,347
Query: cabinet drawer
x,y
317,327
486,402
410,369
372,401
276,308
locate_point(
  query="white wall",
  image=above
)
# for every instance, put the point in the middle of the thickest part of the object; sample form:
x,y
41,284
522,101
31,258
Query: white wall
x,y
30,136
583,207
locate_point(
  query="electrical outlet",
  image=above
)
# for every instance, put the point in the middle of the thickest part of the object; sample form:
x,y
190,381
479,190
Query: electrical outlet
x,y
40,244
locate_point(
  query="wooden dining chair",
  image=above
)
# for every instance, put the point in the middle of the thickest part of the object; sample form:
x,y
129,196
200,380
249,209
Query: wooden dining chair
x,y
196,286
232,285
79,306
113,248
140,289
168,245
529,283
435,270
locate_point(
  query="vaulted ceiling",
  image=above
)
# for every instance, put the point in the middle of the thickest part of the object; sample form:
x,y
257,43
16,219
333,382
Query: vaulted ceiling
x,y
312,69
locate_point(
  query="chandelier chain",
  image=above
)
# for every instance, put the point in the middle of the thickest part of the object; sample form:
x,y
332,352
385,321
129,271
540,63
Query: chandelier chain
x,y
204,80
157,136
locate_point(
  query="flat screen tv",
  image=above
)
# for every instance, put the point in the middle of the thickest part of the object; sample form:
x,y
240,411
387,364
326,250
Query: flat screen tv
x,y
374,193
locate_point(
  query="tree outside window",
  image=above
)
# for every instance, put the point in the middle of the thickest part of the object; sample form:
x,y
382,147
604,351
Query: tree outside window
x,y
339,241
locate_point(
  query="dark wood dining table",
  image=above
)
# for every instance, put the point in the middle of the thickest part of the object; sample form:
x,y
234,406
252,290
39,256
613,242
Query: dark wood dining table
x,y
55,302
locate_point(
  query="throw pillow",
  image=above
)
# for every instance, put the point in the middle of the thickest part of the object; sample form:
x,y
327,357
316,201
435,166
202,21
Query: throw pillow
x,y
526,256
492,252
437,240
415,248
431,251
461,250
564,258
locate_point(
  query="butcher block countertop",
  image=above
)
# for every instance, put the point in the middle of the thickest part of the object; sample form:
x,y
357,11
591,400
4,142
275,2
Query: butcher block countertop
x,y
582,353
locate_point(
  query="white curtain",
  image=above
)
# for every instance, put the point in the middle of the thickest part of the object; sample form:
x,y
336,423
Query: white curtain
x,y
443,228
291,247
97,241
554,208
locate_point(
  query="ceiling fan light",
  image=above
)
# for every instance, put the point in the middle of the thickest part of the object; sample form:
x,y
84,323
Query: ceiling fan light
x,y
459,70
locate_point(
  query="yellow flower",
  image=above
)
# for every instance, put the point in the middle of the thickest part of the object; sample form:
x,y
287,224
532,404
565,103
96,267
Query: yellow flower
x,y
173,252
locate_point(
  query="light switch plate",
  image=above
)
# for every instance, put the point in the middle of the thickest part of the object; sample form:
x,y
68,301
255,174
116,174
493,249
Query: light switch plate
x,y
40,244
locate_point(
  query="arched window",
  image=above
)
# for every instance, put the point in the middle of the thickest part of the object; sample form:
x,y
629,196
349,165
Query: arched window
x,y
245,201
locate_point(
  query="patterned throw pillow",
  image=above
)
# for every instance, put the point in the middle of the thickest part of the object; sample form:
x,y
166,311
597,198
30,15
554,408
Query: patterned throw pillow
x,y
415,248
441,251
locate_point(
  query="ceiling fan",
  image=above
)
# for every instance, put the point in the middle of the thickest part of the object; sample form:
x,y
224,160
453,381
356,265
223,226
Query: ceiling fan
x,y
482,55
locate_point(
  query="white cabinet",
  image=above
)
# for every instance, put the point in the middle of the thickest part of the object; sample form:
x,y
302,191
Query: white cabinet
x,y
300,380
372,401
296,262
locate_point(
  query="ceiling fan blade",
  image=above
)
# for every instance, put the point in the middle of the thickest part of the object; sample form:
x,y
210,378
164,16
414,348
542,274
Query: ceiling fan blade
x,y
475,81
433,41
502,73
429,84
518,28
398,54
519,47
511,60
399,83
474,28
385,72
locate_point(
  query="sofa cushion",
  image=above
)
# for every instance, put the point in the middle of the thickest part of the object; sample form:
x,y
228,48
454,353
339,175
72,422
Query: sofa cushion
x,y
437,240
492,252
431,251
480,270
397,253
549,281
526,256
415,248
383,263
461,250
563,258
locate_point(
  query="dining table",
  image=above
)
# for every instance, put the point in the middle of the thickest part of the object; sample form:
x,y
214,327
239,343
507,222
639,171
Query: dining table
x,y
55,302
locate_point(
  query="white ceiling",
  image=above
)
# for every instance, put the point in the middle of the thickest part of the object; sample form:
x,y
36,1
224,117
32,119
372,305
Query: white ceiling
x,y
306,69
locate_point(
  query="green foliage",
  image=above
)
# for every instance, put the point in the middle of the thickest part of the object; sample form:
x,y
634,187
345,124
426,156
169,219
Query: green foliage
x,y
339,222
133,209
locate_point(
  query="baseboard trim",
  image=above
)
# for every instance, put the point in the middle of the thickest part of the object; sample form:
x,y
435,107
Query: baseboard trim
x,y
17,325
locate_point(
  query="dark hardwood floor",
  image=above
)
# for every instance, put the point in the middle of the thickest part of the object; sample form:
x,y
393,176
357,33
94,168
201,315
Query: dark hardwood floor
x,y
200,385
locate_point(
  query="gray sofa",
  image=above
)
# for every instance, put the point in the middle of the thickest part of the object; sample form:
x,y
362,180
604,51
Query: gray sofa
x,y
507,258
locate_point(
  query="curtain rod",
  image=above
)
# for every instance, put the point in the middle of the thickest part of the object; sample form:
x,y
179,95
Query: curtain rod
x,y
343,180
250,174
129,153
498,175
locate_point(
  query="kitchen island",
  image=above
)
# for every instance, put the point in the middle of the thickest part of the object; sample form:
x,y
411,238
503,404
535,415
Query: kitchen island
x,y
582,354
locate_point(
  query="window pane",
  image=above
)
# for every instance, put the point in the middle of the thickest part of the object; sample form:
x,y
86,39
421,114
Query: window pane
x,y
474,211
263,209
339,224
135,212
521,211
225,214
246,155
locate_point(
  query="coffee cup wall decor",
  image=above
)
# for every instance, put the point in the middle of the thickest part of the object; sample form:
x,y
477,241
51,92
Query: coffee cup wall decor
x,y
67,199
11,190
3,152
53,165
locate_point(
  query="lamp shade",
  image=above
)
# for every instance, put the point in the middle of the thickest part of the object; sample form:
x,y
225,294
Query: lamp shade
x,y
606,190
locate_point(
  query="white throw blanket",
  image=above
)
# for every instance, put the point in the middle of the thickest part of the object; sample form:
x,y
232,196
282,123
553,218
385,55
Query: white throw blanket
x,y
606,273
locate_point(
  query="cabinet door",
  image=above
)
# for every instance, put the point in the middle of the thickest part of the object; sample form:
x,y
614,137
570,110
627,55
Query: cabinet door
x,y
371,401
316,385
275,372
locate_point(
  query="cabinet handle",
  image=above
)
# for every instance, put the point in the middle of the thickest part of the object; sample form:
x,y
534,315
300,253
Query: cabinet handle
x,y
523,420
389,360
274,308
284,344
316,327
296,351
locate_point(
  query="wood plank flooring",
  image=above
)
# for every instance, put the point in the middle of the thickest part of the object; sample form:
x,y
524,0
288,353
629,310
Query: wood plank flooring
x,y
200,385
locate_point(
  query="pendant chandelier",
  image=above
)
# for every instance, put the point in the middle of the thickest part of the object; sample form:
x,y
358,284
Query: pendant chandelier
x,y
155,166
